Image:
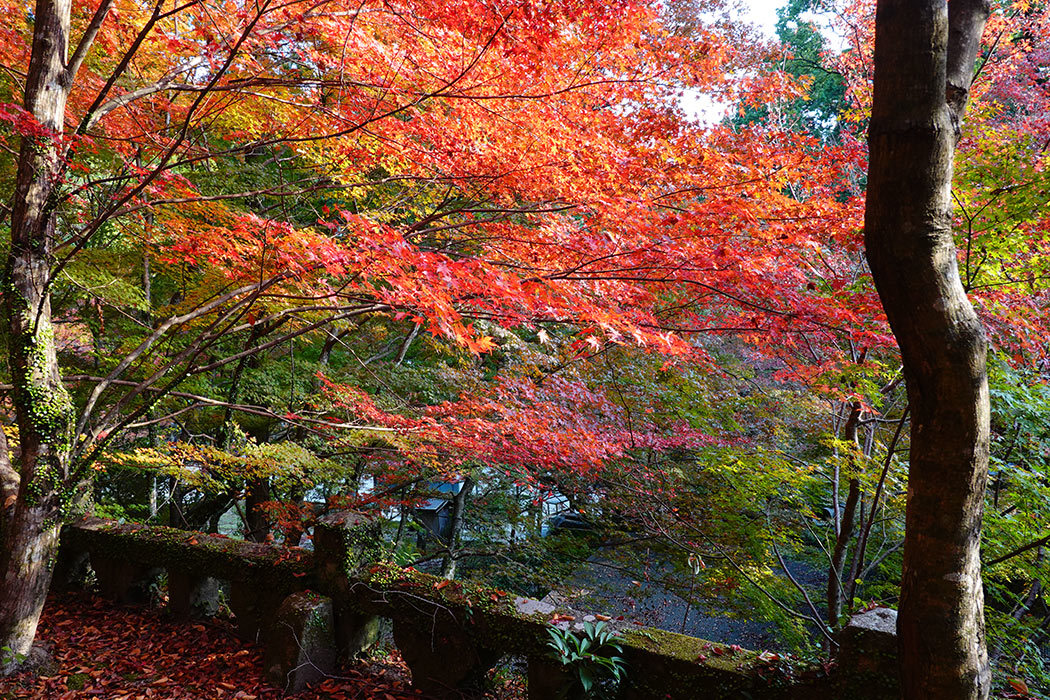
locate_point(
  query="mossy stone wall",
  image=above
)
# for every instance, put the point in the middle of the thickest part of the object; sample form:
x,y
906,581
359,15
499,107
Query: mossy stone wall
x,y
490,622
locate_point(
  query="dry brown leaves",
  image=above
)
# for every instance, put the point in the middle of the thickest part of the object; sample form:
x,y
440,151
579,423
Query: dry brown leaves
x,y
136,653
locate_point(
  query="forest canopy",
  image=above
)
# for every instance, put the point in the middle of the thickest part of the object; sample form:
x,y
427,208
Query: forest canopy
x,y
268,260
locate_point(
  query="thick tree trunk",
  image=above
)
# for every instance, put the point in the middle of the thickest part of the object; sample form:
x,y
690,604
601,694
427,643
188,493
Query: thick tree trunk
x,y
26,562
257,525
922,78
48,488
9,479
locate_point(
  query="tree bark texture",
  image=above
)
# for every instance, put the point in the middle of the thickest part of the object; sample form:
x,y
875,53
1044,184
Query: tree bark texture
x,y
9,479
44,411
28,560
924,61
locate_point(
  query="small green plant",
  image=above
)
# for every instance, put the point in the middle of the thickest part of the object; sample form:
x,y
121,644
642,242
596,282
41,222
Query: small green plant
x,y
224,610
10,659
592,658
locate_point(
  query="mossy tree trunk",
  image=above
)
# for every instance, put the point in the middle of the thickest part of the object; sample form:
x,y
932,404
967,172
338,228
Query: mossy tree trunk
x,y
44,411
925,54
8,485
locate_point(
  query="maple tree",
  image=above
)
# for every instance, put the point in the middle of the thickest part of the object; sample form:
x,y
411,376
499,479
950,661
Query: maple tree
x,y
523,167
1002,244
438,239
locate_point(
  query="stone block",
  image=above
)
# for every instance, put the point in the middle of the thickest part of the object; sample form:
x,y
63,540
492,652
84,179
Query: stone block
x,y
124,581
344,543
355,632
867,656
445,661
190,595
301,648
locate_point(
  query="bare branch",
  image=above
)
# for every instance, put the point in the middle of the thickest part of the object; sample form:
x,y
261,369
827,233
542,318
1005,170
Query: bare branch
x,y
801,589
1020,550
146,344
206,402
125,61
111,423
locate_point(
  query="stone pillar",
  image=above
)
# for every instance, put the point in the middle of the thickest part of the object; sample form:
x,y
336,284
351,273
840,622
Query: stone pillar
x,y
192,596
121,580
301,648
867,657
255,605
345,543
444,660
547,679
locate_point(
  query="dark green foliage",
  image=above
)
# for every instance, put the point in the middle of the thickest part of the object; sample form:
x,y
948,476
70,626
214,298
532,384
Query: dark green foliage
x,y
818,112
593,657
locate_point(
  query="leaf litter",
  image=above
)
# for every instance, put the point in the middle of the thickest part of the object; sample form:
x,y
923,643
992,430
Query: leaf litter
x,y
126,652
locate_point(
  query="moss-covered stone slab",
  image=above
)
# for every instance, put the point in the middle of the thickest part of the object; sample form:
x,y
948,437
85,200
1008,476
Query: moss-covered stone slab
x,y
287,569
490,616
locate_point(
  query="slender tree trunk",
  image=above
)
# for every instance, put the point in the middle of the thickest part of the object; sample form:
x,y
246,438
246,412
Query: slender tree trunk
x,y
402,519
147,319
844,528
257,525
293,536
1035,592
838,555
257,490
175,497
329,345
459,507
924,63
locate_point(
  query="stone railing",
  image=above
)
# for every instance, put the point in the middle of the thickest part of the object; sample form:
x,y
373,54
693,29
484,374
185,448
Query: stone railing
x,y
311,609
